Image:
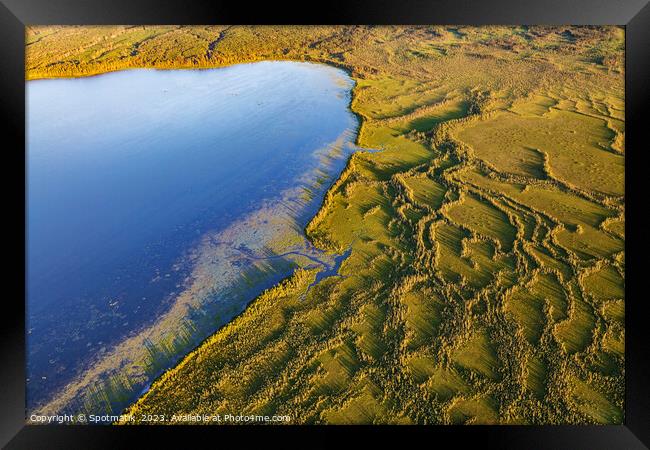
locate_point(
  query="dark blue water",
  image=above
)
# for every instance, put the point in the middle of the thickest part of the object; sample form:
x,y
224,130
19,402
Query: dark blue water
x,y
127,171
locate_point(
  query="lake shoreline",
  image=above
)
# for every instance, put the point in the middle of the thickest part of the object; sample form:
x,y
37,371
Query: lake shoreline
x,y
482,287
348,69
332,182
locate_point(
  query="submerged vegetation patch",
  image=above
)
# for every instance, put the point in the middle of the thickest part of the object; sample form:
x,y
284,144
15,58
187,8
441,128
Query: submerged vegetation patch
x,y
485,282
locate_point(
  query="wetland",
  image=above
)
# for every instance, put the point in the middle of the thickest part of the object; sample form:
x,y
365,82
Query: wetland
x,y
168,197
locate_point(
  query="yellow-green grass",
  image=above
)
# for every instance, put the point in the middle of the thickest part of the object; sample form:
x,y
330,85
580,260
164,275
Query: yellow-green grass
x,y
485,282
604,284
572,148
481,410
478,355
422,318
424,191
483,219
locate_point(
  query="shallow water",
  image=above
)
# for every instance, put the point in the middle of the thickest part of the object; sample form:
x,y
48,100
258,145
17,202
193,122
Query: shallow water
x,y
166,199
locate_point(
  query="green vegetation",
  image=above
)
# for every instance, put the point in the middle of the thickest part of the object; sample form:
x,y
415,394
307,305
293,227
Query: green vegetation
x,y
486,278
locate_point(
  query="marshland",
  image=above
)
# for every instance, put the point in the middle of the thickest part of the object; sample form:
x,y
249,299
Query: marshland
x,y
485,276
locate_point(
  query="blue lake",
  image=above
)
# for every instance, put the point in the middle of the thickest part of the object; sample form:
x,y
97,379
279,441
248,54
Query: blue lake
x,y
149,195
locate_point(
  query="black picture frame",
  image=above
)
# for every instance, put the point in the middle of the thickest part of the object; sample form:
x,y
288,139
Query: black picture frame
x,y
16,14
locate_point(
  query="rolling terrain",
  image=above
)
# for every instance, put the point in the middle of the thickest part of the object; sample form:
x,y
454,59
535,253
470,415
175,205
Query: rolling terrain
x,y
485,282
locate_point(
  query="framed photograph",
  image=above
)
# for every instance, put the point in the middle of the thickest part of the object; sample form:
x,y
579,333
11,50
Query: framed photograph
x,y
375,220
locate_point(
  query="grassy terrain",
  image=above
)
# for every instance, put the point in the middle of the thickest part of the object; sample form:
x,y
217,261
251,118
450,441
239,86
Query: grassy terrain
x,y
486,278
